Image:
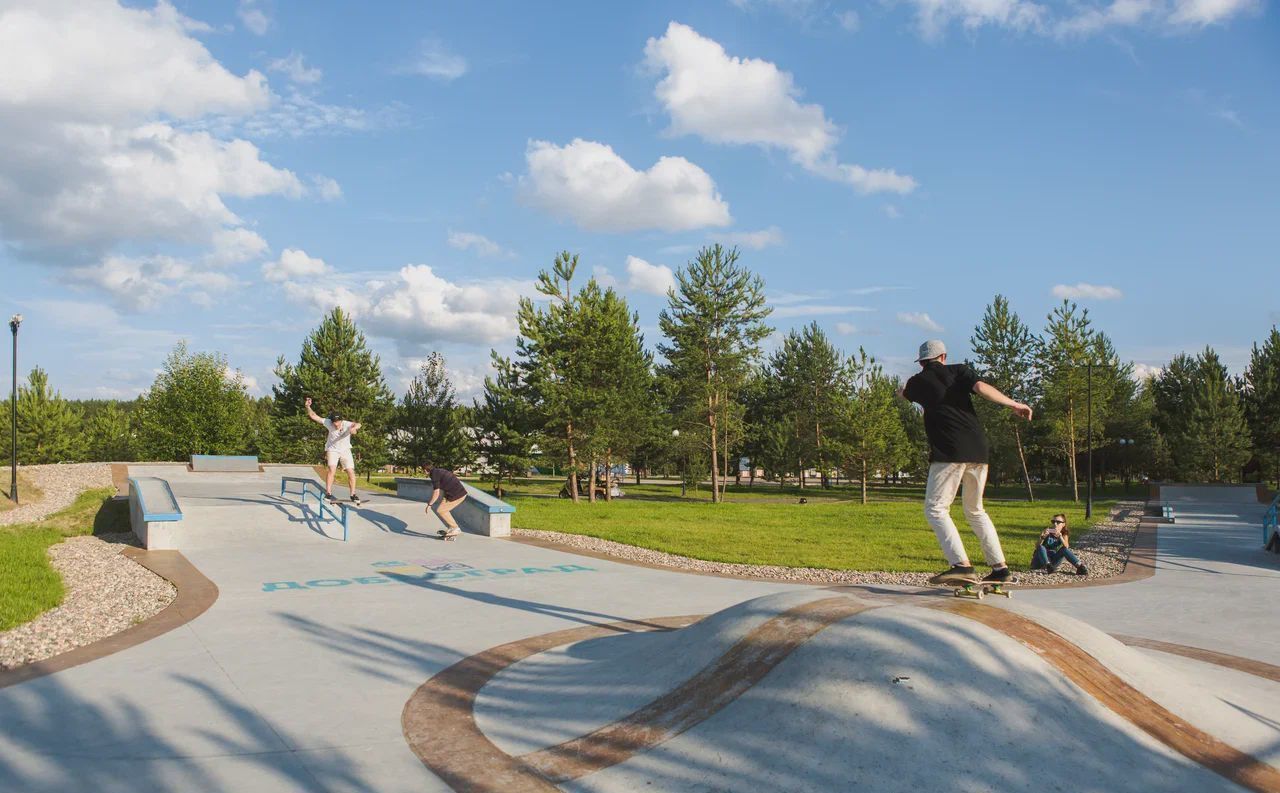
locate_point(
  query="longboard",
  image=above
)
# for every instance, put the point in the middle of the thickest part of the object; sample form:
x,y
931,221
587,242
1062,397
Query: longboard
x,y
977,589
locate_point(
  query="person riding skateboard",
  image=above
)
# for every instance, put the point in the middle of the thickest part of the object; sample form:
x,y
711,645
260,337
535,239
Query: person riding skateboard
x,y
337,449
447,493
957,457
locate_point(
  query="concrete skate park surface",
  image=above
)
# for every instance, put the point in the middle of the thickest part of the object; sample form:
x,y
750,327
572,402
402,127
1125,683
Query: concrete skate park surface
x,y
396,662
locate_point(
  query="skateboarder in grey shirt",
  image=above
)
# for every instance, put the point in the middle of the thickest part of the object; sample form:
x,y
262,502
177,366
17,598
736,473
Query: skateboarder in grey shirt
x,y
957,457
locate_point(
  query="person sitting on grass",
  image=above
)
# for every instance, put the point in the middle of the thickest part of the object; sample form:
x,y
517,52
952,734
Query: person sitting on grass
x,y
337,449
1055,545
447,493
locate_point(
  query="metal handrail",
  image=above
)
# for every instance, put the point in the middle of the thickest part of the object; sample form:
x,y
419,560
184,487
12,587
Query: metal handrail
x,y
1269,520
324,507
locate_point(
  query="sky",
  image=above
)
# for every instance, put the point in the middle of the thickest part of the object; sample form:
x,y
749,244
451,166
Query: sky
x,y
226,172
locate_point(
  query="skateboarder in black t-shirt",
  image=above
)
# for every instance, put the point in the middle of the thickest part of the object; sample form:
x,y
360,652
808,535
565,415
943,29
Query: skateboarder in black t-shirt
x,y
448,492
957,456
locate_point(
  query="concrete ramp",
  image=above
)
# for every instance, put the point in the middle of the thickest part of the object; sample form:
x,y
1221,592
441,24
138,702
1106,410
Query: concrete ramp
x,y
1214,494
826,690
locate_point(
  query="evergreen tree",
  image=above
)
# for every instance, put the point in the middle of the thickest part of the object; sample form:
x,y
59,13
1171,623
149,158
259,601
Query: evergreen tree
x,y
870,436
429,424
913,455
197,405
504,422
1262,402
339,372
260,435
714,323
109,435
1172,394
49,427
812,383
1216,440
1006,352
553,365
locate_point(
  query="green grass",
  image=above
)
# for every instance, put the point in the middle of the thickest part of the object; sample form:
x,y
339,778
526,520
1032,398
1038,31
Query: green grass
x,y
29,585
27,491
844,535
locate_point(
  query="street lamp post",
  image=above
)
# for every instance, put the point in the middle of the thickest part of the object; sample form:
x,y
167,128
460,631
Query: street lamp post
x,y
14,322
684,468
1088,504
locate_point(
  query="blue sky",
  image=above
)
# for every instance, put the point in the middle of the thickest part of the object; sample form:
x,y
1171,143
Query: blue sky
x,y
224,172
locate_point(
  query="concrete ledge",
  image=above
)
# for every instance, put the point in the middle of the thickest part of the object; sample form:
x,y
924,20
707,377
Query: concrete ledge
x,y
195,595
153,509
224,463
482,513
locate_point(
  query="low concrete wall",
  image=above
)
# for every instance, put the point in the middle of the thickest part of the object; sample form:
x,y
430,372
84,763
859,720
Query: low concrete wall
x,y
224,463
153,513
481,513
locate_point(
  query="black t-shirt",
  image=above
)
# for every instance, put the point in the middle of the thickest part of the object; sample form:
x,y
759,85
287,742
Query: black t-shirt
x,y
446,480
945,392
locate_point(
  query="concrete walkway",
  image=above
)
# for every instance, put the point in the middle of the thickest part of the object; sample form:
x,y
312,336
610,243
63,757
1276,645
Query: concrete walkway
x,y
308,672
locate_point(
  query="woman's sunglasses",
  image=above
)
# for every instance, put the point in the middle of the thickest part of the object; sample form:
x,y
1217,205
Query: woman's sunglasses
x,y
1056,521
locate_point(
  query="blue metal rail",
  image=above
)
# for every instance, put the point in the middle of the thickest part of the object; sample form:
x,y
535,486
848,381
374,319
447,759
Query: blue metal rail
x,y
312,487
1269,520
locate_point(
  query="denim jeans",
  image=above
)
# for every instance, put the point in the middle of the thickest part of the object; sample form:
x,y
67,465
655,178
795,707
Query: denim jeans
x,y
1043,557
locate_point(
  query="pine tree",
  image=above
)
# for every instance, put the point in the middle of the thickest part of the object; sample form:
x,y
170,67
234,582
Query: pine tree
x,y
504,421
1217,438
197,405
1172,393
1262,402
812,383
109,435
1006,352
714,324
49,427
553,366
870,436
339,372
429,424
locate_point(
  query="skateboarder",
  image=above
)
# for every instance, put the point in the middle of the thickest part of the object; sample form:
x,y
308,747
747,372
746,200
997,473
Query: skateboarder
x,y
448,492
337,449
957,457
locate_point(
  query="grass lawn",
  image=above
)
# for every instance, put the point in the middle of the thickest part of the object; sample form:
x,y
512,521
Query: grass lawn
x,y
29,585
27,491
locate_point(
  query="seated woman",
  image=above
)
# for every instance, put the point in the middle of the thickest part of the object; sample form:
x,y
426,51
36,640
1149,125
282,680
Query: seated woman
x,y
1055,545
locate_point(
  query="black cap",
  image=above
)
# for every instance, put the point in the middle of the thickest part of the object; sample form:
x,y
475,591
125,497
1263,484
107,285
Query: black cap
x,y
335,417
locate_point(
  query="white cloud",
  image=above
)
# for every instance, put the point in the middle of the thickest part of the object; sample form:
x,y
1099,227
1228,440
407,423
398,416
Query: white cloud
x,y
725,99
892,212
254,18
418,308
327,188
756,240
814,310
604,277
295,68
588,183
250,382
1087,292
294,264
652,279
480,244
846,328
435,61
101,107
1143,371
849,20
1073,20
920,320
814,14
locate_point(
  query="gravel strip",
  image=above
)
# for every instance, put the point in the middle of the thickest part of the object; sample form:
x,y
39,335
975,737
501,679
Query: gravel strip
x,y
106,593
1105,551
61,484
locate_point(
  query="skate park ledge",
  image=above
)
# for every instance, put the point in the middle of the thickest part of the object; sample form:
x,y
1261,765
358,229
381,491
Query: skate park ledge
x,y
153,509
225,463
481,513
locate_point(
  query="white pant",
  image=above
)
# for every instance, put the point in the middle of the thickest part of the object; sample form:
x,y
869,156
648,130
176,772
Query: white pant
x,y
944,480
333,457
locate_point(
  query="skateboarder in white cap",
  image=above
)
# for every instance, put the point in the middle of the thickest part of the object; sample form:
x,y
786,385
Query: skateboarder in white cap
x,y
337,449
957,457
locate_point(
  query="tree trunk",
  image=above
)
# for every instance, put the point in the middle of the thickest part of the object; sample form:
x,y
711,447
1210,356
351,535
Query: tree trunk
x,y
608,474
715,460
1071,453
1026,475
864,481
591,481
573,465
752,482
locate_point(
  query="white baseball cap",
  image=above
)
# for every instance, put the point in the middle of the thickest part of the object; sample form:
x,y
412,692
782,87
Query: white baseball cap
x,y
931,349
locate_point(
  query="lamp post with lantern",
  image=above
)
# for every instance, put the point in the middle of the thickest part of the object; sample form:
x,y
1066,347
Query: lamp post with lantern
x,y
14,322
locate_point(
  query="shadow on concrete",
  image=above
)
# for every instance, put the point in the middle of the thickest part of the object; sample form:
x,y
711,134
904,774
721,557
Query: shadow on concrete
x,y
53,740
375,652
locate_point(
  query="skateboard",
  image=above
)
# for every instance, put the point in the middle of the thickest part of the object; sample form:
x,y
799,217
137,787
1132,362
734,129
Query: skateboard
x,y
446,536
977,589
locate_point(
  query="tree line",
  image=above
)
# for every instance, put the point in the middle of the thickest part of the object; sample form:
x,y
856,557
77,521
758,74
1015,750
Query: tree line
x,y
583,392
